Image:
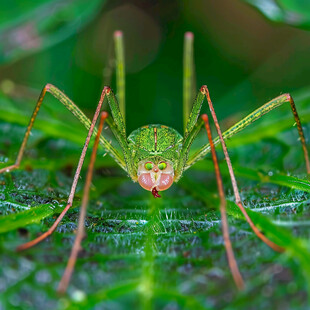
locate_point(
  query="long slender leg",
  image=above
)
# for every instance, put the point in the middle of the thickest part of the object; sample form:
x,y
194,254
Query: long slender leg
x,y
230,254
120,70
192,128
187,142
76,112
81,230
204,90
119,130
269,106
188,75
29,244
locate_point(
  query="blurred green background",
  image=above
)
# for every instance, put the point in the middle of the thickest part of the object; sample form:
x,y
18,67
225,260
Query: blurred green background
x,y
141,253
243,58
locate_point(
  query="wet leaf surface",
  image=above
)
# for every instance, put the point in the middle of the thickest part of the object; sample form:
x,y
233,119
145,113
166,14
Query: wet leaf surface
x,y
142,253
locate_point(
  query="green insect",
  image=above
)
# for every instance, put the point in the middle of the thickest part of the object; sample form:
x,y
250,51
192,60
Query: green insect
x,y
155,156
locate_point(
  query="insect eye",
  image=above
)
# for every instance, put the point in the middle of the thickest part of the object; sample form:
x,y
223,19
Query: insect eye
x,y
162,166
148,166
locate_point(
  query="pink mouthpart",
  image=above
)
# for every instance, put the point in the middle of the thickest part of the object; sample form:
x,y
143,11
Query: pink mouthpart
x,y
147,183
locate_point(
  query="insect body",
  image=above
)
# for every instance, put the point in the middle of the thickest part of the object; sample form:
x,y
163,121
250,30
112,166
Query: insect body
x,y
155,156
155,152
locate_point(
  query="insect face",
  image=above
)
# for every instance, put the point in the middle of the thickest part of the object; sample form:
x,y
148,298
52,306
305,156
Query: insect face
x,y
155,177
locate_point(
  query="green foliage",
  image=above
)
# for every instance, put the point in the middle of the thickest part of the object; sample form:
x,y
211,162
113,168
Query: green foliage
x,y
291,12
27,27
150,254
142,253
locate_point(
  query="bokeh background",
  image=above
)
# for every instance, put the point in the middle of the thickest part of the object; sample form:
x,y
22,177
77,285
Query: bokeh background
x,y
142,253
243,57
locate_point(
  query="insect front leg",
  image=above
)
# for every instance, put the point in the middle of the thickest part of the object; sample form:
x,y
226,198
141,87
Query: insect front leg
x,y
192,128
118,128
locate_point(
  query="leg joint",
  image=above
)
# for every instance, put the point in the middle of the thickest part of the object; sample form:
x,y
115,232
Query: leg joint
x,y
204,90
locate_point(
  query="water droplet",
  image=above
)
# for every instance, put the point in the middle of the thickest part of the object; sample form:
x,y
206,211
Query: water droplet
x,y
43,276
78,296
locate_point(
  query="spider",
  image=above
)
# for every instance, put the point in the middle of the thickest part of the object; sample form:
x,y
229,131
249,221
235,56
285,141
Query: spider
x,y
155,156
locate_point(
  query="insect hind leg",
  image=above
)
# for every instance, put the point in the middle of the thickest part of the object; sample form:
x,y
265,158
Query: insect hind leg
x,y
204,90
76,176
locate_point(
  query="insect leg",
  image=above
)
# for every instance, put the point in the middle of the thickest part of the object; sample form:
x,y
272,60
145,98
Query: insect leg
x,y
69,104
81,230
204,90
119,130
125,148
230,254
75,180
187,142
192,129
258,113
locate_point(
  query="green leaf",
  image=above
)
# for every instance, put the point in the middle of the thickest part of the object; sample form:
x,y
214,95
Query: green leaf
x,y
143,253
291,12
28,27
16,220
